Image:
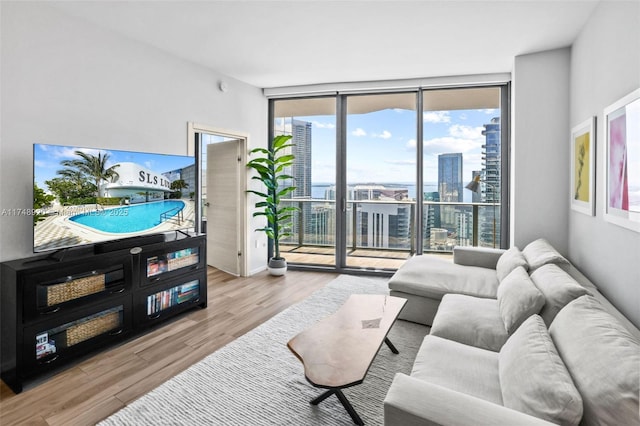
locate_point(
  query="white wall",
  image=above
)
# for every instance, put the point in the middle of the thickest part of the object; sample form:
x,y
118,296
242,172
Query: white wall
x,y
67,82
605,66
540,154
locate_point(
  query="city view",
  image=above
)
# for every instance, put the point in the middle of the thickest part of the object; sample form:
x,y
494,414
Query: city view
x,y
381,167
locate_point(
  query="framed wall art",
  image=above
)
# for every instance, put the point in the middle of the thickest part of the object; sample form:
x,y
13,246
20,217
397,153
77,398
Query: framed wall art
x,y
622,203
583,141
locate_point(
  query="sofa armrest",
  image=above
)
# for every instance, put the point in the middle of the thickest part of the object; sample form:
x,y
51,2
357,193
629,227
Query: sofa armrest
x,y
413,402
477,256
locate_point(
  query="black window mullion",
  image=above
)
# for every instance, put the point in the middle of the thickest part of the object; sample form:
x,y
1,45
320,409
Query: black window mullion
x,y
418,219
341,181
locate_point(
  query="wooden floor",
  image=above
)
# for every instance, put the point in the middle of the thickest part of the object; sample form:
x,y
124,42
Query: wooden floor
x,y
101,385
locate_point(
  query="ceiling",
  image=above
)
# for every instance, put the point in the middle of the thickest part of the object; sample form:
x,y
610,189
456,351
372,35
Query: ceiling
x,y
287,43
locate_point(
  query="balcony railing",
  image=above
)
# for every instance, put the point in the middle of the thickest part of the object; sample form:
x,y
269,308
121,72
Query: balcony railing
x,y
389,225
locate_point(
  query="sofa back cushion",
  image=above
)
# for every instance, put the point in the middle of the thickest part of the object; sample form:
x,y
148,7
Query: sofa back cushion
x,y
558,288
509,261
533,378
518,299
603,359
540,252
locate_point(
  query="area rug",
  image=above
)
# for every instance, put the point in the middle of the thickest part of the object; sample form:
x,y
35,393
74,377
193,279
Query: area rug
x,y
256,380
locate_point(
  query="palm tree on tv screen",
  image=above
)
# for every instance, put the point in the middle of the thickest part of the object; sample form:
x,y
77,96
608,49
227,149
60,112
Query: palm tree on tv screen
x,y
91,167
178,185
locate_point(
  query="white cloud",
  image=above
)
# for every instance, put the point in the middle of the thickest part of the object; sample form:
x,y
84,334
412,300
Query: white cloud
x,y
410,162
466,132
359,132
436,117
450,144
320,125
490,111
461,139
70,152
384,135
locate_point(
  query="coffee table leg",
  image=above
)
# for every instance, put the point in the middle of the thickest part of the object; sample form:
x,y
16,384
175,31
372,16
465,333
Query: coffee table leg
x,y
393,348
345,403
322,397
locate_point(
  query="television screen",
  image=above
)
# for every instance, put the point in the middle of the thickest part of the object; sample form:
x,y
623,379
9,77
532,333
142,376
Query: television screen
x,y
86,195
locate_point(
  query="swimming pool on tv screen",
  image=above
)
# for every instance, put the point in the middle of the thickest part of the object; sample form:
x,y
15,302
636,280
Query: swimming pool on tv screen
x,y
128,219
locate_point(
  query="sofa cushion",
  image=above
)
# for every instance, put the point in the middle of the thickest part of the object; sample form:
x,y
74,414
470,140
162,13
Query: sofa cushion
x,y
509,261
533,378
433,277
459,367
484,257
558,288
518,299
604,361
474,321
540,252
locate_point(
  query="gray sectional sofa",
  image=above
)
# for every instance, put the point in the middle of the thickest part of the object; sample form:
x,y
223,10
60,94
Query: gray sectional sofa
x,y
516,338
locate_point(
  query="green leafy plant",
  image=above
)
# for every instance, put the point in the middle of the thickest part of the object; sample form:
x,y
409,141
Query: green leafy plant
x,y
41,200
271,168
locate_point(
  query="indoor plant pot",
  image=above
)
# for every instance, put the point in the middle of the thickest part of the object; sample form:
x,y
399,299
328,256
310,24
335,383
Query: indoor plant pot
x,y
277,267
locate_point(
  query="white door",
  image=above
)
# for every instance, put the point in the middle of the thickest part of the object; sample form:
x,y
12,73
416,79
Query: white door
x,y
224,195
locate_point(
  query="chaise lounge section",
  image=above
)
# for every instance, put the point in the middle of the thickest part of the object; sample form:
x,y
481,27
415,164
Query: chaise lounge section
x,y
538,345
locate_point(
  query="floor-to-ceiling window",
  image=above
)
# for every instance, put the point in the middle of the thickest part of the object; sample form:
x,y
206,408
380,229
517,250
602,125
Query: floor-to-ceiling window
x,y
380,179
462,136
384,176
312,124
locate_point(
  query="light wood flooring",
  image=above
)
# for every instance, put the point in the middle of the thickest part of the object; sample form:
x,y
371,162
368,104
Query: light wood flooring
x,y
93,389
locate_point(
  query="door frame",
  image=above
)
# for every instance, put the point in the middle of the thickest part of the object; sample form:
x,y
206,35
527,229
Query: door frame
x,y
193,149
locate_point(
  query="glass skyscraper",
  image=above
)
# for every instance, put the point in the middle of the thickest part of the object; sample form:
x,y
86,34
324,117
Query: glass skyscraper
x,y
490,220
301,169
450,187
450,177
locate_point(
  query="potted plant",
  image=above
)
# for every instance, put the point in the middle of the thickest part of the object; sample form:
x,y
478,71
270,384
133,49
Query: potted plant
x,y
271,168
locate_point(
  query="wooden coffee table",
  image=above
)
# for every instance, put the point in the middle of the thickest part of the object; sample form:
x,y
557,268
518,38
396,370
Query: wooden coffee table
x,y
337,351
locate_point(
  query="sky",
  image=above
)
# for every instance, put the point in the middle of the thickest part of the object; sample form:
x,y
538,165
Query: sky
x,y
381,146
47,158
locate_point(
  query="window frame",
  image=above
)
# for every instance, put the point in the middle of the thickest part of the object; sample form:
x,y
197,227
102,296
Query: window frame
x,y
341,97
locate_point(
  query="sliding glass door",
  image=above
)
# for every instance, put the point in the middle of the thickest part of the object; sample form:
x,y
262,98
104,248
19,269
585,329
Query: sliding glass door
x,y
312,125
384,176
380,179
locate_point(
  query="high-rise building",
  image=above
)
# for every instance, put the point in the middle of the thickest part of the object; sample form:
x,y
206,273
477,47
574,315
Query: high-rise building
x,y
431,214
464,226
491,160
322,224
301,139
382,225
450,187
450,177
490,217
301,169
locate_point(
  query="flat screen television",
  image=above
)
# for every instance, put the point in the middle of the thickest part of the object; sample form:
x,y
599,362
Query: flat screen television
x,y
86,196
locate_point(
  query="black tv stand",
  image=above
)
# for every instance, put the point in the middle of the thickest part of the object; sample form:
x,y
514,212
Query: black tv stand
x,y
60,307
127,243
